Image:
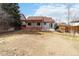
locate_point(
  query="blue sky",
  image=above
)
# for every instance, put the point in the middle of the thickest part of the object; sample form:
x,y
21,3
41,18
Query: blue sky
x,y
57,11
28,8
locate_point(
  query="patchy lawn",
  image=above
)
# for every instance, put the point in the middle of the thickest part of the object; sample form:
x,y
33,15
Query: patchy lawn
x,y
38,43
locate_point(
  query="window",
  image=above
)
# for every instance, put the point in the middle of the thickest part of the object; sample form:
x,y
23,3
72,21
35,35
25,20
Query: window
x,y
29,24
38,24
51,25
44,23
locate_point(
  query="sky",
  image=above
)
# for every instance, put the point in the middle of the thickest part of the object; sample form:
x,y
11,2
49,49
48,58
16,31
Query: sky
x,y
58,11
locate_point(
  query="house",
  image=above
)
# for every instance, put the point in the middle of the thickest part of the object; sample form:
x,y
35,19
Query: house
x,y
37,23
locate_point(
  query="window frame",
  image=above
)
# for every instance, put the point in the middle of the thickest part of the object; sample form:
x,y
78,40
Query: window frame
x,y
44,23
29,24
38,24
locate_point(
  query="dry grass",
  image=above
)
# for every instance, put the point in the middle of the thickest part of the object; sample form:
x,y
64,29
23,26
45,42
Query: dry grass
x,y
37,43
69,36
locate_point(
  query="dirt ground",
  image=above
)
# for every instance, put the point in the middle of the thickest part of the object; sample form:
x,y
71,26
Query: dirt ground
x,y
22,43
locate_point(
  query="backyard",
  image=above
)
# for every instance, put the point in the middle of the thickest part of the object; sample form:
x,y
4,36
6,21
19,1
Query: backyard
x,y
22,43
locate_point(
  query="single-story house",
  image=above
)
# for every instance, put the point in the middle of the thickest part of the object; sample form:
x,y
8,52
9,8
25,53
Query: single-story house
x,y
40,23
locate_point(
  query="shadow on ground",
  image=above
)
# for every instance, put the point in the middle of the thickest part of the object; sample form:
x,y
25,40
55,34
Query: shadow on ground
x,y
27,32
21,32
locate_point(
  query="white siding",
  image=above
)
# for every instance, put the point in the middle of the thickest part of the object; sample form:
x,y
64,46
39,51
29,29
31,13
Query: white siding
x,y
23,23
34,24
45,27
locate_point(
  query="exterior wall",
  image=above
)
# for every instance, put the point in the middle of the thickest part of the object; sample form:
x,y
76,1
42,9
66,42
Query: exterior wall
x,y
33,26
42,27
53,24
45,27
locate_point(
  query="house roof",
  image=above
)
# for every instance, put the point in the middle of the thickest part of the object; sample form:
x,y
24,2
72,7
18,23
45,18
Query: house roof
x,y
75,20
39,19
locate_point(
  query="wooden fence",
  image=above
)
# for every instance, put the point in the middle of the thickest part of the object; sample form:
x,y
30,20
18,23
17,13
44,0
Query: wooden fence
x,y
63,28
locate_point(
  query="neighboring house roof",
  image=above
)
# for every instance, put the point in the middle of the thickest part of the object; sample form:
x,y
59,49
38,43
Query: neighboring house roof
x,y
75,20
39,19
75,24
